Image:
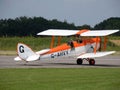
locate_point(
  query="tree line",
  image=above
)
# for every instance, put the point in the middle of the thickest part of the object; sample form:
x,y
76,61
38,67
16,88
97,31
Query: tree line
x,y
27,26
110,23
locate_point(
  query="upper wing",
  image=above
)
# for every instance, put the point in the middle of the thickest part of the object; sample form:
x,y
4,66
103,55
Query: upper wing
x,y
99,33
58,32
97,54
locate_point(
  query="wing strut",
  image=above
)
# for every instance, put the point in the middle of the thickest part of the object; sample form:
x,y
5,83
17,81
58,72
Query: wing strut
x,y
97,40
52,42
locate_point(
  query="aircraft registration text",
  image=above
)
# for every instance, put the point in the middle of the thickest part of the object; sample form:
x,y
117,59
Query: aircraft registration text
x,y
62,53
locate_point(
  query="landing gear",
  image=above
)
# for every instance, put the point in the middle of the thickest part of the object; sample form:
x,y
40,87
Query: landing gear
x,y
79,61
90,60
25,62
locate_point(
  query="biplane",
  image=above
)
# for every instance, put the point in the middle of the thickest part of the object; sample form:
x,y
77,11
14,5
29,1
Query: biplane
x,y
87,46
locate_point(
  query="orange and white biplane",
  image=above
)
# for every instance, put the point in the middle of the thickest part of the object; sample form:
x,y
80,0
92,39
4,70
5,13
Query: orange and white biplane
x,y
82,48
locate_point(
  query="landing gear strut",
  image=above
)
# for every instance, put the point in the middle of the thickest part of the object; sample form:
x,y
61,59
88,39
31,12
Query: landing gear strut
x,y
90,60
25,62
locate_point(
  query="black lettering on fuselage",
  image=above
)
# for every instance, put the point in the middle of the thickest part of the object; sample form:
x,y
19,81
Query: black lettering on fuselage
x,y
62,53
21,49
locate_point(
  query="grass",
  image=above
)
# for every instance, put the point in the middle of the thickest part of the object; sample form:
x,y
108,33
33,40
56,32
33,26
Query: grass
x,y
60,79
9,43
2,52
116,42
114,37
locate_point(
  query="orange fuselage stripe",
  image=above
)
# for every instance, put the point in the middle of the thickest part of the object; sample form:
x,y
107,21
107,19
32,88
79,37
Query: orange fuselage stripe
x,y
65,46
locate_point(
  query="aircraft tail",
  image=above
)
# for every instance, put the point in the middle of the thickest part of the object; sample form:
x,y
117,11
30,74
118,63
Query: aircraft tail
x,y
25,53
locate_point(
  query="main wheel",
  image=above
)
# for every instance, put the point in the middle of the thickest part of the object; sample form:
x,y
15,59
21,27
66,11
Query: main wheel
x,y
92,62
79,61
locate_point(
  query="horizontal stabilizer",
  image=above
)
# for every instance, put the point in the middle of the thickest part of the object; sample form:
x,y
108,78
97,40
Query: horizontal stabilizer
x,y
33,58
99,33
97,54
17,58
30,58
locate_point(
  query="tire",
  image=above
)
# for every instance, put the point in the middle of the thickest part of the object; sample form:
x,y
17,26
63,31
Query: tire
x,y
79,61
91,62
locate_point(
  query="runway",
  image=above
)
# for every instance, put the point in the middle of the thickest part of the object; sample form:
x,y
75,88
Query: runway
x,y
102,62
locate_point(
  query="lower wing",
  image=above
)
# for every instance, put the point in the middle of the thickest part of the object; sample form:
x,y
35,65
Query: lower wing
x,y
97,54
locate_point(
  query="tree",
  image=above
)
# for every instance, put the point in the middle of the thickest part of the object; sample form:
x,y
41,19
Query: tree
x,y
26,26
85,26
111,23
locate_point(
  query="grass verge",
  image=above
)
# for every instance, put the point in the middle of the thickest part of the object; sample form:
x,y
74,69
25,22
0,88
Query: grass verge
x,y
60,79
8,52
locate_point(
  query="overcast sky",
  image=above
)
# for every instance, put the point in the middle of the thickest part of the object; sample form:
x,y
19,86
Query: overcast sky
x,y
78,12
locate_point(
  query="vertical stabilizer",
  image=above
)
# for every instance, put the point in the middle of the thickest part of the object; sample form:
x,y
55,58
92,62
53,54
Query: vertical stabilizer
x,y
26,53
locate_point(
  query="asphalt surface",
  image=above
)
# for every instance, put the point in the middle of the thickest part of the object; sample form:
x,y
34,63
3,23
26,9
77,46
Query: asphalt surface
x,y
102,62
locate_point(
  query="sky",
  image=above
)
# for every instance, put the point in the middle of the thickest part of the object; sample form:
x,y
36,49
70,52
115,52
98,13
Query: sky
x,y
79,12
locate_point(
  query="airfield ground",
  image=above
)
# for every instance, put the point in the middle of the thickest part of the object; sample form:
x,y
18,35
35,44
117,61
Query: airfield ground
x,y
60,74
107,61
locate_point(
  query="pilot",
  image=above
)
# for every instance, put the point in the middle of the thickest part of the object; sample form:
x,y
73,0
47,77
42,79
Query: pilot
x,y
71,44
79,39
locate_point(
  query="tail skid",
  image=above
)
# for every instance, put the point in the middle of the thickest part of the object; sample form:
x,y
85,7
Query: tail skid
x,y
25,53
